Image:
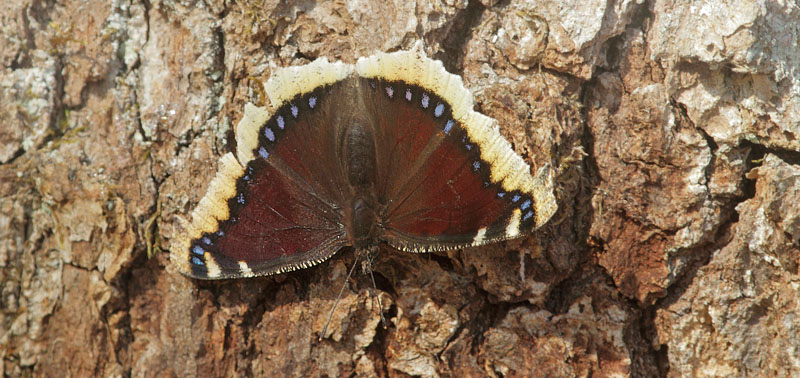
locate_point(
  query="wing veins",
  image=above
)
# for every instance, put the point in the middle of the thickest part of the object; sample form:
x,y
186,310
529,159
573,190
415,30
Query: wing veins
x,y
416,188
304,204
419,162
283,168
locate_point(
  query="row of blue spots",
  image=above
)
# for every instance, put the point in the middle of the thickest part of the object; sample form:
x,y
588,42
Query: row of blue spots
x,y
476,165
425,100
198,252
270,135
240,198
312,102
525,204
437,112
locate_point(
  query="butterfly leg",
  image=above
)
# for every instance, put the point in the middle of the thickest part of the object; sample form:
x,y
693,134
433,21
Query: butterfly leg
x,y
366,266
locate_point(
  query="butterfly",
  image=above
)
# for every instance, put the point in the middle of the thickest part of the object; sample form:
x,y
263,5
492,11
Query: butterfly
x,y
385,151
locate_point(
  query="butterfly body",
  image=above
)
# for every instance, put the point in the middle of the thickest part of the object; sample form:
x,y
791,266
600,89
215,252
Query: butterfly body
x,y
386,151
359,163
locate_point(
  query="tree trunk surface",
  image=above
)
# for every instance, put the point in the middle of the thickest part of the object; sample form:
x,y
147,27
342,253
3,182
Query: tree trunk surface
x,y
674,128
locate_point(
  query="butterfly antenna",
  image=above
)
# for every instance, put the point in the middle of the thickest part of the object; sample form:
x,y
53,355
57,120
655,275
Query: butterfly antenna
x,y
338,297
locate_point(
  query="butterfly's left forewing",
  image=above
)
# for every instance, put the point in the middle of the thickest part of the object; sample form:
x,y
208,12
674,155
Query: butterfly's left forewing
x,y
279,206
266,223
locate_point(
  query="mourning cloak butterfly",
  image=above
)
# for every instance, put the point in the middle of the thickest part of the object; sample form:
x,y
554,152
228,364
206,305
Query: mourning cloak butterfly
x,y
387,150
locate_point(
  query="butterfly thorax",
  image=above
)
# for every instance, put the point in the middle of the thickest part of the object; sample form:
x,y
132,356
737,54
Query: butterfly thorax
x,y
361,224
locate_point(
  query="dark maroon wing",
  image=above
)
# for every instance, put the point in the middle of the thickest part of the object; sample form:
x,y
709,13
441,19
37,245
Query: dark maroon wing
x,y
274,226
286,212
435,188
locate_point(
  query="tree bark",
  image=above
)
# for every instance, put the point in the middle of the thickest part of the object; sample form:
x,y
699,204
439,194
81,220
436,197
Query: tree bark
x,y
673,126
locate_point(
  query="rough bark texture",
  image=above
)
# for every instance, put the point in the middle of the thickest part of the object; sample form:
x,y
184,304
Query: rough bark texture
x,y
675,126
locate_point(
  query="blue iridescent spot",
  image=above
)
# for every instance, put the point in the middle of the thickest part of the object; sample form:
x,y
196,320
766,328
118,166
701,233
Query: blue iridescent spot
x,y
527,216
372,84
312,102
515,198
390,92
263,152
476,165
525,205
206,240
281,123
294,111
425,100
408,95
240,198
269,134
439,110
501,194
468,146
220,233
197,250
448,126
197,261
